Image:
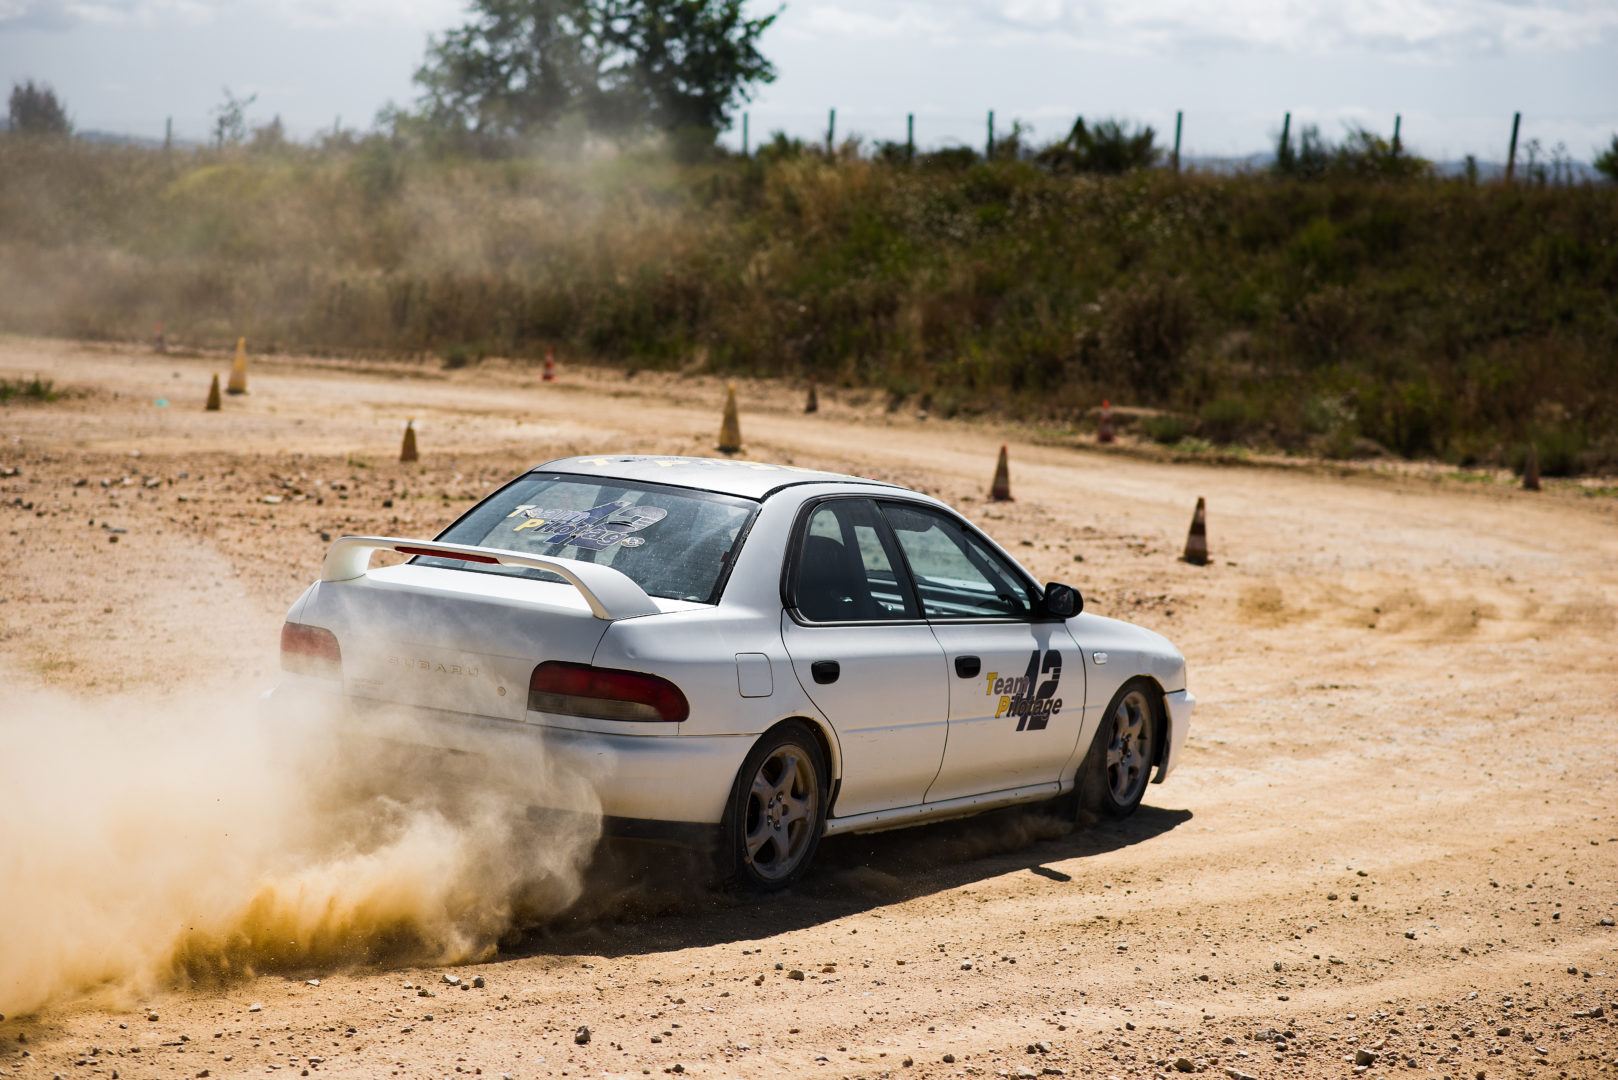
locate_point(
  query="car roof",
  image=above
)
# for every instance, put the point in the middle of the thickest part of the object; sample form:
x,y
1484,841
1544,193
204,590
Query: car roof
x,y
730,476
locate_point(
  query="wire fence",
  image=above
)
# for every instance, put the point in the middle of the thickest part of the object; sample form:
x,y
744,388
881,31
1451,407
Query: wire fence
x,y
1202,135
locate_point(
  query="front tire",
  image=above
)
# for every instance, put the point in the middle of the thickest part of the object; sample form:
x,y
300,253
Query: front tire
x,y
777,811
1115,772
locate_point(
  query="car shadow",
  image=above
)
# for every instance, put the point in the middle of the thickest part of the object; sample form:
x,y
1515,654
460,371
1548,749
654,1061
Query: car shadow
x,y
642,899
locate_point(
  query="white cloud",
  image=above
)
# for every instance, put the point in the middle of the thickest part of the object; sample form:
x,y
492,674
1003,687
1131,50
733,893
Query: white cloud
x,y
1433,28
64,14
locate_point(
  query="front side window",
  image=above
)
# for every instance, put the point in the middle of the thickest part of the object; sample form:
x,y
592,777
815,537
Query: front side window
x,y
672,542
845,570
957,576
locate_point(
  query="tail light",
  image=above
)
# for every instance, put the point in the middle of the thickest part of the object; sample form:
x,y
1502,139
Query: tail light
x,y
310,650
604,693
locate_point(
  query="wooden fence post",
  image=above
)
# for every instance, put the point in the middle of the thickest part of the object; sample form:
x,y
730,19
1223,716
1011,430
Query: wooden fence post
x,y
989,148
1283,153
1179,119
1511,155
1396,144
831,133
910,136
745,144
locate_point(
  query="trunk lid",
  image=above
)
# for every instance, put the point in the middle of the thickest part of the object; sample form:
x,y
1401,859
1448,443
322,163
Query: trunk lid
x,y
452,639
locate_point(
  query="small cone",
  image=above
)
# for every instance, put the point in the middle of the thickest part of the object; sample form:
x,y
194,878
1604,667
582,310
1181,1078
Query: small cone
x,y
813,404
1530,469
213,394
730,428
407,451
550,367
1196,544
1104,432
1000,490
238,369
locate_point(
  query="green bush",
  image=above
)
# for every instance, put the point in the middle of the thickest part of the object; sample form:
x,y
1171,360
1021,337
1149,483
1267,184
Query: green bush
x,y
1167,428
1226,419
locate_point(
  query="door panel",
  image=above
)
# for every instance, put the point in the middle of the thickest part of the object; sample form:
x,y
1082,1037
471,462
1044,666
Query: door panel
x,y
1016,721
889,706
1016,686
864,656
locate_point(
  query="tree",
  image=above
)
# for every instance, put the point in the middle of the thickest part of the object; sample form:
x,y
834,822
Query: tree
x,y
516,69
682,64
521,67
230,119
35,110
1606,161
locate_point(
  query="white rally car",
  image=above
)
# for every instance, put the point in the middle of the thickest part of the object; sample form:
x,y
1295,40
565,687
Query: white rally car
x,y
751,653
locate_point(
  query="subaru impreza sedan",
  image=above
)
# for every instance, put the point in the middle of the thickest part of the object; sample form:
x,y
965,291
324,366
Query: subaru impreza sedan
x,y
744,655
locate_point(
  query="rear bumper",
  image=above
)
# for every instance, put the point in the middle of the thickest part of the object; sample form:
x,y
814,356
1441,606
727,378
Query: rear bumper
x,y
1180,703
651,787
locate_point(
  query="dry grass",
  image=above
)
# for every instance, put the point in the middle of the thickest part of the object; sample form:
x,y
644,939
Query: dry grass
x,y
1430,317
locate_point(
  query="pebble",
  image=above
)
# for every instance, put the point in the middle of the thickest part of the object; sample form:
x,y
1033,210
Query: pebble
x,y
478,983
452,980
1363,1056
1183,1064
948,1059
582,1036
795,975
255,1007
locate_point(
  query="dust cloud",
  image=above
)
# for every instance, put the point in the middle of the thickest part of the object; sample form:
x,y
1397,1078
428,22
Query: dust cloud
x,y
202,836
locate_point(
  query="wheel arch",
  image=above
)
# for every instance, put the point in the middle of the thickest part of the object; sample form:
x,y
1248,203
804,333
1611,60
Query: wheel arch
x,y
1160,726
1160,720
827,740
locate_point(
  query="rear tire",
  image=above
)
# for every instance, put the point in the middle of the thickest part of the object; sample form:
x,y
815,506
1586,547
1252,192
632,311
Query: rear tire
x,y
1113,778
776,812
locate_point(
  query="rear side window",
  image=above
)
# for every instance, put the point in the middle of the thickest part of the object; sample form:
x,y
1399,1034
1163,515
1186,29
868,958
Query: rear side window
x,y
957,576
845,569
673,542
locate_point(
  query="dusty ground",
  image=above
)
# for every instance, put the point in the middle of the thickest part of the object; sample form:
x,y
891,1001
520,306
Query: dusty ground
x,y
1395,828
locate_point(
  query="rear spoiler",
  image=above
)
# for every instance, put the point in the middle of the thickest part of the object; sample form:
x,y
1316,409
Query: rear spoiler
x,y
611,594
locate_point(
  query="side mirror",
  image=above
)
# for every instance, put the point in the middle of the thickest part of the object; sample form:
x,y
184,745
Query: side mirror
x,y
1062,601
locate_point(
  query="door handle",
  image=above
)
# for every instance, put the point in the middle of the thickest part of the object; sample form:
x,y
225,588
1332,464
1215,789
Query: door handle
x,y
967,667
825,671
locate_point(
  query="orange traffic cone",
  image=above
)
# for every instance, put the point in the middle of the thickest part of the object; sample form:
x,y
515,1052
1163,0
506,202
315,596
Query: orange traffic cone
x,y
550,367
213,394
1104,432
1196,543
730,428
238,369
813,403
1530,469
407,451
1000,490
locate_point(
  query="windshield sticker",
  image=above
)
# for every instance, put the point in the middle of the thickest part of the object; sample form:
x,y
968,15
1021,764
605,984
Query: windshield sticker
x,y
595,529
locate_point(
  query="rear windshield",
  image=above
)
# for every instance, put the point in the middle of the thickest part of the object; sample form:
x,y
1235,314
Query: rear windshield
x,y
673,542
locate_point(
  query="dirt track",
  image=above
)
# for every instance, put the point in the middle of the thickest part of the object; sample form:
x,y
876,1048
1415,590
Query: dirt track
x,y
1395,828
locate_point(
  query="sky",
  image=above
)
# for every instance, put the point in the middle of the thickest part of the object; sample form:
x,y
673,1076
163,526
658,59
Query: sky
x,y
1455,70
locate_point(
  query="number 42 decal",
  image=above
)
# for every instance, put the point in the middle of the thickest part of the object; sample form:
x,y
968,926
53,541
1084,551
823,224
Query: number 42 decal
x,y
1032,705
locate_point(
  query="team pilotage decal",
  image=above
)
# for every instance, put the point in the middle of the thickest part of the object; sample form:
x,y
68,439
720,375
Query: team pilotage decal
x,y
595,529
1032,707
